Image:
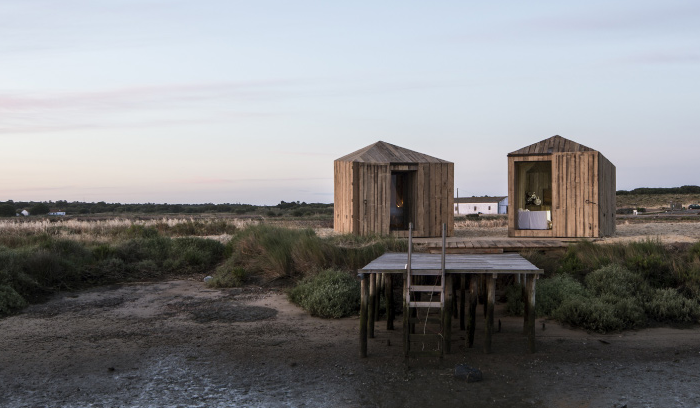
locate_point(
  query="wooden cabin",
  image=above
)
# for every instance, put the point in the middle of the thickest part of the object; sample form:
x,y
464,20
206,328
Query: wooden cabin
x,y
560,189
382,188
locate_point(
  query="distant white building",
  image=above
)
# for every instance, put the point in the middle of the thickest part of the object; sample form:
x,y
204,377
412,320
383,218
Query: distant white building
x,y
57,213
481,205
25,213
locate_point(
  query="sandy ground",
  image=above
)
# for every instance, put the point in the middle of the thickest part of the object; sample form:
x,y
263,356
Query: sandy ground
x,y
180,344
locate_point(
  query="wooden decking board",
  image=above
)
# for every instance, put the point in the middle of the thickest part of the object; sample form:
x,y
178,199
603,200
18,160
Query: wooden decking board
x,y
454,263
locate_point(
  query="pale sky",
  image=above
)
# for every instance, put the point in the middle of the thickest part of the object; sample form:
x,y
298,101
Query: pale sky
x,y
138,101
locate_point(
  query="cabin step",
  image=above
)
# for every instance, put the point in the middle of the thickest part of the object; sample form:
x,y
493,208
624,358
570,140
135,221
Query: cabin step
x,y
437,305
426,288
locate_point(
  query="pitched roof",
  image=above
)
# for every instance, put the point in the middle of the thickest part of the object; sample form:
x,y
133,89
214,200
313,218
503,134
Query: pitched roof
x,y
555,144
479,200
382,152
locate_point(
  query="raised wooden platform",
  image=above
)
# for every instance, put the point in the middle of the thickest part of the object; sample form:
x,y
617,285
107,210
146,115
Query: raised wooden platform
x,y
458,245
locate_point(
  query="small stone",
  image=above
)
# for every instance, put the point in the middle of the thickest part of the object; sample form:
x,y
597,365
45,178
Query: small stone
x,y
207,278
469,374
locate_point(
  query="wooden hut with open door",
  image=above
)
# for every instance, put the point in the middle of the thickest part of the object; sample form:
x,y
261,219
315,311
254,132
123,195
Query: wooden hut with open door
x,y
382,188
561,189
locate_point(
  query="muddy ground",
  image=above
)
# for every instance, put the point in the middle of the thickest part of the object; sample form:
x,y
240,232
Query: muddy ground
x,y
180,344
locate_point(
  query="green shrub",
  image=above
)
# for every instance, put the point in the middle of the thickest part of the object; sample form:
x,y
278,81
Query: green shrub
x,y
330,294
667,305
616,281
552,292
588,313
228,276
7,210
10,300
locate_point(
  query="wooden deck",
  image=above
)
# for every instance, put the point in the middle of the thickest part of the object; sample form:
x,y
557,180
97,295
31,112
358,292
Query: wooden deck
x,y
457,245
466,270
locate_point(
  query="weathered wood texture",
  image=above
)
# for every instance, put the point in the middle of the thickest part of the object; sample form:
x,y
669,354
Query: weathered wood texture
x,y
583,190
362,191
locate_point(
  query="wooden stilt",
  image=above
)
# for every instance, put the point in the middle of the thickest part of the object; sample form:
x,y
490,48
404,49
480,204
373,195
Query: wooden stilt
x,y
526,311
462,300
406,317
483,295
371,306
363,315
473,298
389,297
531,314
455,305
490,302
378,292
447,315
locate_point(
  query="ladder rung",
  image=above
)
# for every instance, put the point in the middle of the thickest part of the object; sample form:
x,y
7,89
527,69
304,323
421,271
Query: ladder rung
x,y
425,272
425,304
426,288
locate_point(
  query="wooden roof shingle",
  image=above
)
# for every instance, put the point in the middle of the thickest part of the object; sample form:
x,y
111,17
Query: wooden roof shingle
x,y
382,152
554,144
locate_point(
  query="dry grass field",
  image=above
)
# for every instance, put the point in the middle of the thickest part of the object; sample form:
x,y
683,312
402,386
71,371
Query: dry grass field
x,y
656,201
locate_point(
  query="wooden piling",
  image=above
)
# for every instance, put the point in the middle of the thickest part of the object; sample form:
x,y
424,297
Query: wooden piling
x,y
363,315
406,317
455,305
378,292
447,315
389,297
473,298
490,302
531,314
462,300
372,299
526,304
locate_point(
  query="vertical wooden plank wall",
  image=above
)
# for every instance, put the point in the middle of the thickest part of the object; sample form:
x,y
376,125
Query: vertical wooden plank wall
x,y
343,197
607,199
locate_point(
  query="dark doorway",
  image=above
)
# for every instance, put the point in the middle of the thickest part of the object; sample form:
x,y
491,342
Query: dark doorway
x,y
400,200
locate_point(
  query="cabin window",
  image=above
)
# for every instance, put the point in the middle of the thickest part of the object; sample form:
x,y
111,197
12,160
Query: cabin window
x,y
533,195
474,208
401,193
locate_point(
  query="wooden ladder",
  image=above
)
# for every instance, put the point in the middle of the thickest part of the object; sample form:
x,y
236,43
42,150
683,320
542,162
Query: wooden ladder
x,y
417,320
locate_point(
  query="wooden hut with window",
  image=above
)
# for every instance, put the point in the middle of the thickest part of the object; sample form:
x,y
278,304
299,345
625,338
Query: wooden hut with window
x,y
560,189
382,188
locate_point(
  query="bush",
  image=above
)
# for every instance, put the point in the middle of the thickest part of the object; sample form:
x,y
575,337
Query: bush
x,y
228,276
10,300
330,294
588,313
617,282
552,292
7,210
667,305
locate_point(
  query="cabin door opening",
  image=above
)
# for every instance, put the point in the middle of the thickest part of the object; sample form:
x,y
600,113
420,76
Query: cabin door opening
x,y
401,200
533,195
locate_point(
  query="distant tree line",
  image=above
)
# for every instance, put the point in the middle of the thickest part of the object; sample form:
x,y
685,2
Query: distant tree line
x,y
11,208
661,190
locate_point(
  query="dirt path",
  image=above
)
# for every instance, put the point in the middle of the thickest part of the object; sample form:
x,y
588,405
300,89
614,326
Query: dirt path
x,y
179,344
